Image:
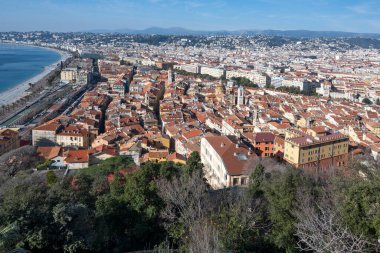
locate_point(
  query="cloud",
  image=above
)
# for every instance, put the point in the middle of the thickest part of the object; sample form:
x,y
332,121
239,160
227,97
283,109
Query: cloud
x,y
366,8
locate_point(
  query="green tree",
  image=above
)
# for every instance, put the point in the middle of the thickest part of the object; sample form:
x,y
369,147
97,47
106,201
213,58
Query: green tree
x,y
194,163
257,179
281,194
367,101
75,224
360,209
51,177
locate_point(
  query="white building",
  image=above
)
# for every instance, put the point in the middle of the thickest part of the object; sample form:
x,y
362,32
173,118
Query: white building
x,y
227,163
215,72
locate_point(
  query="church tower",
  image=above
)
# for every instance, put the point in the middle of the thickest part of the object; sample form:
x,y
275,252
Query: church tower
x,y
240,98
170,77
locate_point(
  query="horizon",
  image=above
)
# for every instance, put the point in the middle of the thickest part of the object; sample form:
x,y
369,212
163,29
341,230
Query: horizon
x,y
196,15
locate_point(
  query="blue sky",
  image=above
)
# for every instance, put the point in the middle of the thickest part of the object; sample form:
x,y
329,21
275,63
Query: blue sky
x,y
77,15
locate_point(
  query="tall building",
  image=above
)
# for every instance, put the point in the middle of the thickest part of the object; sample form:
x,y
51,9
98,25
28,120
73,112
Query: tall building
x,y
240,98
170,77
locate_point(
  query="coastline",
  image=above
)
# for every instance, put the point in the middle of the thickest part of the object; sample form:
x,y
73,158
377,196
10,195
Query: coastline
x,y
19,90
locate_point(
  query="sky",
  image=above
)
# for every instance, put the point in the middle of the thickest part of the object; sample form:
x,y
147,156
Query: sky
x,y
84,15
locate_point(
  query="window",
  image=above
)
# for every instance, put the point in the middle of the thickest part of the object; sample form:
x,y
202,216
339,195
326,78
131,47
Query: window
x,y
266,148
235,181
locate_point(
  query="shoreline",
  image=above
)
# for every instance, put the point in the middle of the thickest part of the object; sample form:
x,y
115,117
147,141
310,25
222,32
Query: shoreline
x,y
18,91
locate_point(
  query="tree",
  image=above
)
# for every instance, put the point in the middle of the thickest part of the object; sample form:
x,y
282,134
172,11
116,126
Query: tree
x,y
183,197
51,177
281,193
359,208
194,163
320,230
367,101
75,224
257,179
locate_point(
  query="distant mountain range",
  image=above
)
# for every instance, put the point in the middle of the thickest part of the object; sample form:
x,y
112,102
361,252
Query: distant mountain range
x,y
286,33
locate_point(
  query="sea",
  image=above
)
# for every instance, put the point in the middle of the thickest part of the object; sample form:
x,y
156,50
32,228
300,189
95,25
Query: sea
x,y
19,63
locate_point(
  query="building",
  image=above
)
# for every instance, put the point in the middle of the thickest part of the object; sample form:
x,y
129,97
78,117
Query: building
x,y
226,162
69,74
77,159
374,127
211,71
240,96
45,135
264,144
318,152
9,140
73,136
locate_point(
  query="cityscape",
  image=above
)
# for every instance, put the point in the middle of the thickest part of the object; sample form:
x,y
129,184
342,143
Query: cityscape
x,y
191,140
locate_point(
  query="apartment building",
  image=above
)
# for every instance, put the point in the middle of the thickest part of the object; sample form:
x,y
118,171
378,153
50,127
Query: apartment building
x,y
69,74
317,152
73,136
227,162
215,72
46,134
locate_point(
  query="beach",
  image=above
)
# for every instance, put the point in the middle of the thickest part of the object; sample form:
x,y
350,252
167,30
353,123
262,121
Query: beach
x,y
11,95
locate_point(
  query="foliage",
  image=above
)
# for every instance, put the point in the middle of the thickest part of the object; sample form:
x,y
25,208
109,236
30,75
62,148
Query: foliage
x,y
44,165
297,90
367,101
116,207
51,177
243,81
196,75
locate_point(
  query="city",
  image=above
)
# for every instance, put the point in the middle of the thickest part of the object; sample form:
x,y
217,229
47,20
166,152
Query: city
x,y
180,140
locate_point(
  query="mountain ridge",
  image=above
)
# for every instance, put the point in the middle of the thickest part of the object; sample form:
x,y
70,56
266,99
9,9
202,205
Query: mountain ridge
x,y
269,32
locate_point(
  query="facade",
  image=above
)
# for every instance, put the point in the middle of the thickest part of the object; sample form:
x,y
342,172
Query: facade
x,y
73,136
264,144
226,162
77,159
320,152
215,72
374,127
240,97
69,74
9,140
45,135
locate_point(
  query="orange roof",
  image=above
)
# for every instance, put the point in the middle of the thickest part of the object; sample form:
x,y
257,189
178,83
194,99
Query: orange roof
x,y
49,152
236,158
77,156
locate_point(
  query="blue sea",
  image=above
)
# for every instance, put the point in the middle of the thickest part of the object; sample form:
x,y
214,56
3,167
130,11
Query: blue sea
x,y
19,63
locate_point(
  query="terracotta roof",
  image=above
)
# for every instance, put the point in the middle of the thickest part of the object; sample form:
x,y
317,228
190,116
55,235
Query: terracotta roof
x,y
48,152
77,156
264,137
238,160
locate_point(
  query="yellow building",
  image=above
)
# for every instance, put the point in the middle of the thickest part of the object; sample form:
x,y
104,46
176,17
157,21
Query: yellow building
x,y
317,152
374,127
69,74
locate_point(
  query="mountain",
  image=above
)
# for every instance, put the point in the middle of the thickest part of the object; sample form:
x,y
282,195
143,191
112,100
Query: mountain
x,y
285,33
